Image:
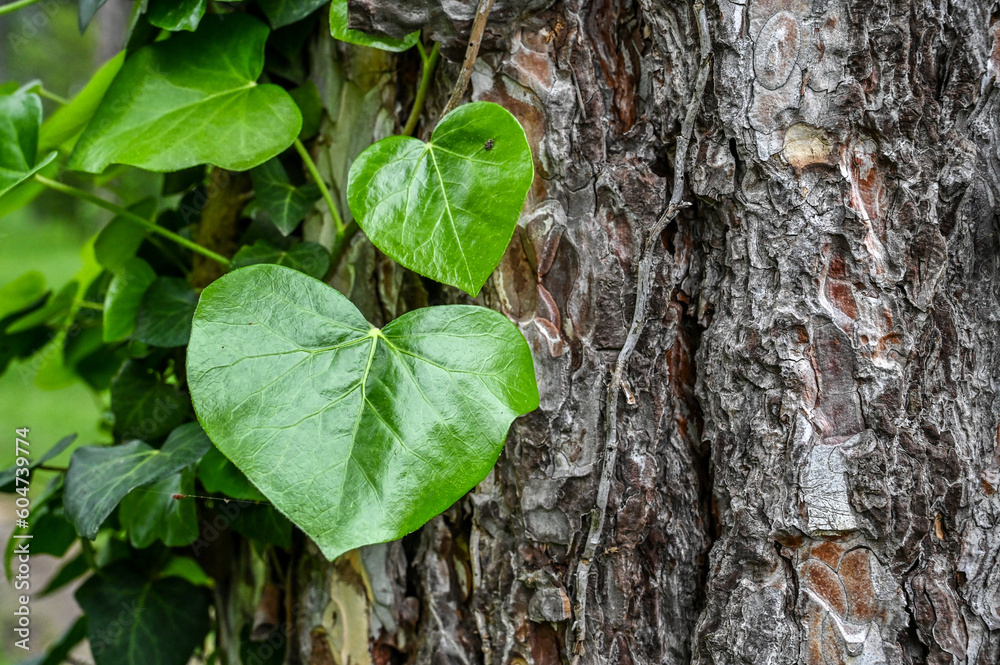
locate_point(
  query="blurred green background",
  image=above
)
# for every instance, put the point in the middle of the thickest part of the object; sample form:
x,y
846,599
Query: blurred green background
x,y
43,42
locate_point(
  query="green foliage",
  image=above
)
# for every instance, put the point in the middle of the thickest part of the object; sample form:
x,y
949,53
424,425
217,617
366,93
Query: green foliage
x,y
164,317
100,476
176,14
339,29
286,204
152,513
124,295
319,421
135,620
447,208
309,257
7,475
20,121
192,99
350,431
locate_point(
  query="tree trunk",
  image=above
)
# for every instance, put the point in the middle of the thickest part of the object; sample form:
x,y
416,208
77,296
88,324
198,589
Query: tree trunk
x,y
805,462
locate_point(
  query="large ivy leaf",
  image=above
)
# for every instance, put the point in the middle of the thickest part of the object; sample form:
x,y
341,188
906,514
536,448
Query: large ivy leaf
x,y
176,14
154,514
358,435
99,477
340,29
285,204
20,120
446,209
285,12
133,620
192,99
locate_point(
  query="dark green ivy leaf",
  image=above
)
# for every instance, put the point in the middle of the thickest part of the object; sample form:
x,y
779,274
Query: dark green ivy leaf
x,y
153,514
133,620
144,405
358,435
164,317
218,475
285,204
309,257
100,476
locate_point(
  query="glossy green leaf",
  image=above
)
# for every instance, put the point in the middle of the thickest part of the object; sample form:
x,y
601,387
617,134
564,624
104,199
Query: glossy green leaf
x,y
285,204
220,476
151,512
189,100
176,14
20,119
121,302
446,209
309,257
133,620
164,317
20,293
120,239
68,121
99,477
340,30
144,405
285,12
357,435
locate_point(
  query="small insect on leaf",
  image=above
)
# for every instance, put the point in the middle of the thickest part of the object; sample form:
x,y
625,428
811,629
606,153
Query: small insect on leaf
x,y
488,145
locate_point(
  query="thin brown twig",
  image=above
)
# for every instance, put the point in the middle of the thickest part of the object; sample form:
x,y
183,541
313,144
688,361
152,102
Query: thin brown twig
x,y
644,286
475,39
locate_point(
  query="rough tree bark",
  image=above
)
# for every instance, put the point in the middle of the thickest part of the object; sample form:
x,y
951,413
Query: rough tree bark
x,y
807,447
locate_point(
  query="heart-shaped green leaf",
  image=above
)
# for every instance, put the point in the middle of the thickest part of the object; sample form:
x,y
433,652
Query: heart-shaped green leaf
x,y
446,209
285,204
340,30
100,476
135,620
358,435
192,99
20,120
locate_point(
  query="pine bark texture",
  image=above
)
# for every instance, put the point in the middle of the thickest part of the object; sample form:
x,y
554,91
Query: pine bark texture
x,y
808,462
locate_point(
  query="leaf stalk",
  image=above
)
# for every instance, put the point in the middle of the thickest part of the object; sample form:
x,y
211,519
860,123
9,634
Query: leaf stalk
x,y
132,217
323,189
429,62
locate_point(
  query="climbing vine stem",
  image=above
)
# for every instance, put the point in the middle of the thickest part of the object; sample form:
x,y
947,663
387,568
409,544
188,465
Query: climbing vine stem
x,y
647,264
429,63
323,189
132,217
